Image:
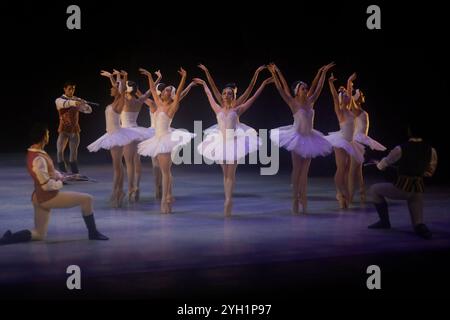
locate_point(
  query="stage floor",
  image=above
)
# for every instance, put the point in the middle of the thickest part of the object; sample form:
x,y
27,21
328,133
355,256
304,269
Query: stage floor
x,y
153,255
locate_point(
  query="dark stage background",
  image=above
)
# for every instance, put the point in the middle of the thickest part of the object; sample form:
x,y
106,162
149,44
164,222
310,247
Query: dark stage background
x,y
402,68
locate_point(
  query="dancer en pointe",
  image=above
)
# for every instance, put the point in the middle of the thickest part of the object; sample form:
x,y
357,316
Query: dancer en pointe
x,y
300,138
47,195
128,118
116,137
362,140
152,108
342,140
229,141
166,140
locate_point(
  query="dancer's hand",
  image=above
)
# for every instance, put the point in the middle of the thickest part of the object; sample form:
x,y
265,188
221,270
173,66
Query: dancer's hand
x,y
182,72
198,81
203,67
332,78
269,81
145,72
352,77
272,68
105,74
328,67
158,74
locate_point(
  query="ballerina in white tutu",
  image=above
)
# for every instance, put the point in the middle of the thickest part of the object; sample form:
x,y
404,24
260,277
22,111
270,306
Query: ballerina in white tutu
x,y
115,137
128,118
344,146
152,108
229,141
166,139
300,138
362,140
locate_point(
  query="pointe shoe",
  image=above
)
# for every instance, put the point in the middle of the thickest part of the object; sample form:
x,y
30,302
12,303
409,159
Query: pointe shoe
x,y
343,203
362,196
304,203
169,202
227,208
120,199
165,207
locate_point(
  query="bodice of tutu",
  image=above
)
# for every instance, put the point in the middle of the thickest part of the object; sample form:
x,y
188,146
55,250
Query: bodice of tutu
x,y
361,124
162,123
348,126
112,119
227,123
303,121
152,119
129,119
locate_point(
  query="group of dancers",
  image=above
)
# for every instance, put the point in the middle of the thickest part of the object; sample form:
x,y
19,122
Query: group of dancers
x,y
224,143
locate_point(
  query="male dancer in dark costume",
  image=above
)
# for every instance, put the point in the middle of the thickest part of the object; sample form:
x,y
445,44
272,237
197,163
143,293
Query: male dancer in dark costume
x,y
416,159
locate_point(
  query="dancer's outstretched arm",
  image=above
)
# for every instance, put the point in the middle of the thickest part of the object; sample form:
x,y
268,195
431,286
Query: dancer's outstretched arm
x,y
214,105
211,82
244,97
110,76
149,102
244,107
313,98
282,79
335,96
285,95
152,85
186,91
313,87
176,100
350,85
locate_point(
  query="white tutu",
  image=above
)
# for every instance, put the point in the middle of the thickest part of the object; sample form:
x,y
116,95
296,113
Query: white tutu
x,y
309,145
232,147
144,133
353,148
166,143
119,138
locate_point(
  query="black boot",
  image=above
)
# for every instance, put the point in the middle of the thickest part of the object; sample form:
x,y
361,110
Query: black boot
x,y
94,234
20,236
62,167
422,231
383,213
74,167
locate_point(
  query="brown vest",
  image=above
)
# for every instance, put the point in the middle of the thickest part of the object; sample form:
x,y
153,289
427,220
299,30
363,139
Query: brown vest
x,y
41,194
68,119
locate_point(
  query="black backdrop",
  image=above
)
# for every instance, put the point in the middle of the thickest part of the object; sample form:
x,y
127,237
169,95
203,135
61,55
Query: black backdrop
x,y
402,68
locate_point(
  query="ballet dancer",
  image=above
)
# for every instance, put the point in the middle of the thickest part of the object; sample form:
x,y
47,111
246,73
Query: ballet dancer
x,y
300,138
415,159
115,137
361,139
152,108
47,195
166,139
69,107
342,140
229,141
128,117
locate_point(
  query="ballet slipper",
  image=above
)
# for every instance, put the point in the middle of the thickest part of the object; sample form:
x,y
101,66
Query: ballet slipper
x,y
295,205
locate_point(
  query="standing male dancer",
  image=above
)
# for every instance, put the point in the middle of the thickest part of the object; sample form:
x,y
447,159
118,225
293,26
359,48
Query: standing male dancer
x,y
69,107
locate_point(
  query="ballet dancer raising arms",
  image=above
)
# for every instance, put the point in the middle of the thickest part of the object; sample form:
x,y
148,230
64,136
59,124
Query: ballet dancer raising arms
x,y
166,139
152,108
300,138
229,141
342,140
128,117
115,137
361,139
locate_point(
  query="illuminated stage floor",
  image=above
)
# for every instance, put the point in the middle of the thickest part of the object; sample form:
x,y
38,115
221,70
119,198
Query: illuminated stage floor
x,y
195,251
